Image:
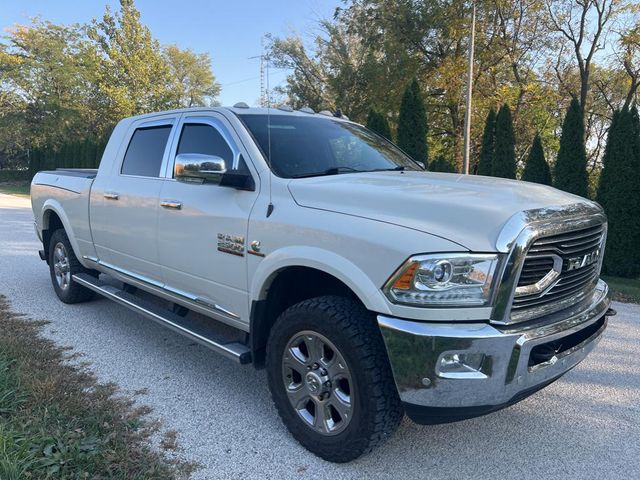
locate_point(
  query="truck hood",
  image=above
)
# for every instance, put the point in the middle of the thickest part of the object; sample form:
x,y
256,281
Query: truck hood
x,y
469,210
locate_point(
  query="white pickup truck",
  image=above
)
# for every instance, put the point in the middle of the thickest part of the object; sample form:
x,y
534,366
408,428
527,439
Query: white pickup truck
x,y
309,245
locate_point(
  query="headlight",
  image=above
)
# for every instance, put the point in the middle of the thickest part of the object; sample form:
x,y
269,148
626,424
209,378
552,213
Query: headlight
x,y
453,279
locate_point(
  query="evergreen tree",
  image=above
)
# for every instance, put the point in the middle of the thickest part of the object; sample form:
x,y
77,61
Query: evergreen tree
x,y
441,164
635,125
412,124
488,144
619,194
571,164
35,162
504,158
90,152
537,169
377,122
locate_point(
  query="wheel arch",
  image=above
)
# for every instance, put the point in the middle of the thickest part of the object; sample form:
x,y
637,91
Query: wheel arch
x,y
53,218
286,278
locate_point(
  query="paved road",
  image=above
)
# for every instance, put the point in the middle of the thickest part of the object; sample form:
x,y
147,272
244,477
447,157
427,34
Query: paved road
x,y
587,425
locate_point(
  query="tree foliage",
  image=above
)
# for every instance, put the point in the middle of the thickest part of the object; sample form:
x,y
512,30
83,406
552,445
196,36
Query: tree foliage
x,y
504,158
619,194
132,75
441,164
571,165
362,57
48,86
488,144
63,84
377,122
412,124
536,168
192,82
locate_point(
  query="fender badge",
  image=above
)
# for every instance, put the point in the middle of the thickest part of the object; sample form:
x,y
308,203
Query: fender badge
x,y
255,249
233,244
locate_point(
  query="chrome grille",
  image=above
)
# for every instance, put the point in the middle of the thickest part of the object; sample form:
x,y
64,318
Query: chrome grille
x,y
573,282
534,269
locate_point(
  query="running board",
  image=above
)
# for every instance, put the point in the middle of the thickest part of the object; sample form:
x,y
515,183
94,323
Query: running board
x,y
197,332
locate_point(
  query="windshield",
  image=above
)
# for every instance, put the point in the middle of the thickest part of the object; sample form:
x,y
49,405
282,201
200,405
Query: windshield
x,y
308,146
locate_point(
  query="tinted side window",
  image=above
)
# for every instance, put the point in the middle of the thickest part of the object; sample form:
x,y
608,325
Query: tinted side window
x,y
145,151
201,138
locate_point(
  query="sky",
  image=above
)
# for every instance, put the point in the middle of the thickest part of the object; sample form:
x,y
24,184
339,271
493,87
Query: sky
x,y
229,30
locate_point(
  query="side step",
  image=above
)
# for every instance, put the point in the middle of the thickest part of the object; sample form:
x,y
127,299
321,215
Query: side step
x,y
185,326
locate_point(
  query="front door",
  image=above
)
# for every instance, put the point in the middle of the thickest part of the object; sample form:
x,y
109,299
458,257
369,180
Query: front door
x,y
202,228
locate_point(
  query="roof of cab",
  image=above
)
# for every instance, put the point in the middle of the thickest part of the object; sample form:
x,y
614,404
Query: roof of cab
x,y
243,111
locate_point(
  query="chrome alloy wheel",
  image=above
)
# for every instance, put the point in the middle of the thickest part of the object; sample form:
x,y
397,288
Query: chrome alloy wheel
x,y
318,382
61,266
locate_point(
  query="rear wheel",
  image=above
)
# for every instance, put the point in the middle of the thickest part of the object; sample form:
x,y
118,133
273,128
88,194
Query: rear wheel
x,y
63,264
330,378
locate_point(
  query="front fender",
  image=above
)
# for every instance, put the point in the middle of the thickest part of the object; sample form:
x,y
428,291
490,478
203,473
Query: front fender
x,y
324,260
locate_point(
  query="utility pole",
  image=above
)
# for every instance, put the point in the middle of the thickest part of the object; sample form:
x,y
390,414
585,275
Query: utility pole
x,y
467,115
264,73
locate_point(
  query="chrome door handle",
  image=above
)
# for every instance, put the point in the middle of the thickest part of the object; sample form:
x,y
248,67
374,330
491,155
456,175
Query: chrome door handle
x,y
171,204
111,195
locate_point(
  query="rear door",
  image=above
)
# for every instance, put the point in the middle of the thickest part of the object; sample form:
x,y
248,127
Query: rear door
x,y
124,207
202,228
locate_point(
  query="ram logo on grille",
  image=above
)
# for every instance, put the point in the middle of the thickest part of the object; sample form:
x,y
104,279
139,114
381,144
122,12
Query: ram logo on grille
x,y
574,256
582,261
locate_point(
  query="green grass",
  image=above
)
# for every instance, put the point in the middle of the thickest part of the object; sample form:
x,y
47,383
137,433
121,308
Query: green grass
x,y
20,189
58,422
624,289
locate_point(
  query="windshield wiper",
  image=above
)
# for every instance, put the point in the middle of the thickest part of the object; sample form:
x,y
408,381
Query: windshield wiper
x,y
399,168
338,170
329,171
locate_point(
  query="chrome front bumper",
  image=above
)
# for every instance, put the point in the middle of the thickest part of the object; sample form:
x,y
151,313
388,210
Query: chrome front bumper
x,y
496,366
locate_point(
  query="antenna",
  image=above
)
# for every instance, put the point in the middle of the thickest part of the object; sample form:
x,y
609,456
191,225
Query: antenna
x,y
265,101
268,99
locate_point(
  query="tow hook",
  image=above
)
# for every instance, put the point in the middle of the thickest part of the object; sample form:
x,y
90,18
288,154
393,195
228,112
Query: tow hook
x,y
610,313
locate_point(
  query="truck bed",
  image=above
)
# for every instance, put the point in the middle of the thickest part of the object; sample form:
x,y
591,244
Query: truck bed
x,y
65,194
74,172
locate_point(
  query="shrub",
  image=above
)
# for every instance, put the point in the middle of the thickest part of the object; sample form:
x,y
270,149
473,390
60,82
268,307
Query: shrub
x,y
504,158
619,194
441,164
536,168
571,164
377,122
488,144
412,124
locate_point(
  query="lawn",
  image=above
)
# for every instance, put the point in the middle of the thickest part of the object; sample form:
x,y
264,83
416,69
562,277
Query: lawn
x,y
57,421
20,189
624,289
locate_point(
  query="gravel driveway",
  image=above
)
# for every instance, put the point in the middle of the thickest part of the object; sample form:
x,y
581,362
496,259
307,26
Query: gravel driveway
x,y
586,425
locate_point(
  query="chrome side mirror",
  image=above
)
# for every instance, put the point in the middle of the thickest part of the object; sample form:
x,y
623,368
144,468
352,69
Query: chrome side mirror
x,y
199,168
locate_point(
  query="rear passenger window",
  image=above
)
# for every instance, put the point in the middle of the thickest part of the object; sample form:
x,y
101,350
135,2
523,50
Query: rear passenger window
x,y
145,151
202,138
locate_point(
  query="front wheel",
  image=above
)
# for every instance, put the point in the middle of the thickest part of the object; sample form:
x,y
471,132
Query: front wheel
x,y
330,378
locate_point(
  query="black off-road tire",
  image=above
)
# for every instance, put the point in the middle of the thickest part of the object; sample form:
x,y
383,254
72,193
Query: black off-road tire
x,y
70,292
377,409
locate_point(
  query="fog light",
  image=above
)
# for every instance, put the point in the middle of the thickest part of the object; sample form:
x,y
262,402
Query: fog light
x,y
461,365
